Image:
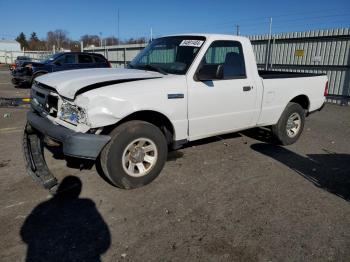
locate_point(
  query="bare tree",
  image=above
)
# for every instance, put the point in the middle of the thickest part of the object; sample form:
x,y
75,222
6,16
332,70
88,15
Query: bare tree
x,y
59,38
89,40
139,40
74,45
111,40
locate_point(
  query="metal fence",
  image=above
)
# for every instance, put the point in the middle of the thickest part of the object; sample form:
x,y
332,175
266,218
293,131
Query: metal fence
x,y
319,51
118,55
8,57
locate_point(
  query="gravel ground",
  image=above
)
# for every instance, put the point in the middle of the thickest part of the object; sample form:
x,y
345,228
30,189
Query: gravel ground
x,y
229,198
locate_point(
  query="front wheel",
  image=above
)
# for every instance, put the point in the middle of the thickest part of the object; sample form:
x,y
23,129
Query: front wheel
x,y
135,155
290,125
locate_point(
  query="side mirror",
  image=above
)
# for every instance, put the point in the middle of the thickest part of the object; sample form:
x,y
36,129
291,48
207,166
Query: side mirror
x,y
208,72
58,63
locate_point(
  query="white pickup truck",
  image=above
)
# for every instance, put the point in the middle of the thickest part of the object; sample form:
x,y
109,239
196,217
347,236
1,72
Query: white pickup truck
x,y
180,88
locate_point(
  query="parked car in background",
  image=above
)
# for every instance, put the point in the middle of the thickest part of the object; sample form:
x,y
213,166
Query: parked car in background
x,y
25,74
19,62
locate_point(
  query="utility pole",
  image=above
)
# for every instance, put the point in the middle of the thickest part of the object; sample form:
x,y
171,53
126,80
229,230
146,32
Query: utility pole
x,y
268,46
237,29
151,38
100,39
118,27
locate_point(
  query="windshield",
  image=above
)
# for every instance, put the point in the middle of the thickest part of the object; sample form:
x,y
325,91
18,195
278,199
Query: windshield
x,y
169,55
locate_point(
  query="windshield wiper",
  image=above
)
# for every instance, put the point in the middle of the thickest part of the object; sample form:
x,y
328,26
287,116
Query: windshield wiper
x,y
153,68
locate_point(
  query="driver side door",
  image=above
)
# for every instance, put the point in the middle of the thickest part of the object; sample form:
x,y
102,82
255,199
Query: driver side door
x,y
226,100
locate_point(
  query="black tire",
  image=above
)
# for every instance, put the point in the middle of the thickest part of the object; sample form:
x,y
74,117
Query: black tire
x,y
279,130
122,136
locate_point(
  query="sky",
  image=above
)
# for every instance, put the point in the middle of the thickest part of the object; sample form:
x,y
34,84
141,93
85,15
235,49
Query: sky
x,y
136,18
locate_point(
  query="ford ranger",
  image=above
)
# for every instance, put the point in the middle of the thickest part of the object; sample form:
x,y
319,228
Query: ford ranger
x,y
178,89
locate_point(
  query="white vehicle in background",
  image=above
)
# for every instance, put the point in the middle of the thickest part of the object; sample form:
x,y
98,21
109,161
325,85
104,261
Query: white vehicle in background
x,y
180,88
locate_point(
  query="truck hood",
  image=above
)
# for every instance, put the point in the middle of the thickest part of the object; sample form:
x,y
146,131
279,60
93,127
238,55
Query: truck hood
x,y
70,83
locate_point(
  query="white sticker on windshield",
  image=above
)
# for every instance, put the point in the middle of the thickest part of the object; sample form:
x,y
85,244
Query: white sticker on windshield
x,y
194,43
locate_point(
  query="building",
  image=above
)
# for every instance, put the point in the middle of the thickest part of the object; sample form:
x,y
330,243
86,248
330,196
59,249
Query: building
x,y
9,45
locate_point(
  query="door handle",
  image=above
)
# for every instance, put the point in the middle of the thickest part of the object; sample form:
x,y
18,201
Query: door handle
x,y
247,88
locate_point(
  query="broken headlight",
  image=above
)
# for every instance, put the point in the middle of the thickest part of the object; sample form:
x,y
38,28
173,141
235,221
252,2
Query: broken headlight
x,y
72,113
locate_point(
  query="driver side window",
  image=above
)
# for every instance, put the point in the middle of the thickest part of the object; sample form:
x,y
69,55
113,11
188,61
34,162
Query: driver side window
x,y
223,60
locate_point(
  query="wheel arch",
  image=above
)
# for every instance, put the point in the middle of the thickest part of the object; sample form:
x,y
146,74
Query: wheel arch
x,y
303,101
154,117
41,72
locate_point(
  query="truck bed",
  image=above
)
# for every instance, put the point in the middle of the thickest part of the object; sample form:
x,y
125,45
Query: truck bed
x,y
269,74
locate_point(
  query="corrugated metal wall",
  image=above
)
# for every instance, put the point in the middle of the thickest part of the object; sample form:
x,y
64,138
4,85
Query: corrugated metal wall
x,y
9,57
319,51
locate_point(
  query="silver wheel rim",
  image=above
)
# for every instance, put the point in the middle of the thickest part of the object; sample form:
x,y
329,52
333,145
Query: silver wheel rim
x,y
139,157
293,125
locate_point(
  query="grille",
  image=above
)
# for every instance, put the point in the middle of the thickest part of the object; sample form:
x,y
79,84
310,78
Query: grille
x,y
52,104
44,100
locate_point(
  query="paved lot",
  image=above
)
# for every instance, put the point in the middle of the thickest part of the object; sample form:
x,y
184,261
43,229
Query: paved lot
x,y
232,198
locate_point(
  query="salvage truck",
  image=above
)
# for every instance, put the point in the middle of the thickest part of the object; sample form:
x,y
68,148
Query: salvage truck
x,y
178,89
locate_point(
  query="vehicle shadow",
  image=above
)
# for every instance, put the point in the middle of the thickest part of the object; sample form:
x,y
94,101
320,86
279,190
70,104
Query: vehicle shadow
x,y
22,86
261,134
66,227
212,139
329,171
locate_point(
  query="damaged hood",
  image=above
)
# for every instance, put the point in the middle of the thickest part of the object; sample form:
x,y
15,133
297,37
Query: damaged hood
x,y
69,83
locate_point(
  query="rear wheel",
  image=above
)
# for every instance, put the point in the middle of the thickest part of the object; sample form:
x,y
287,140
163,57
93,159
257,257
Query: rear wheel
x,y
135,155
290,125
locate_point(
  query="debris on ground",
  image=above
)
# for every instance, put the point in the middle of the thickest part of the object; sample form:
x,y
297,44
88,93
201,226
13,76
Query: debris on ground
x,y
9,102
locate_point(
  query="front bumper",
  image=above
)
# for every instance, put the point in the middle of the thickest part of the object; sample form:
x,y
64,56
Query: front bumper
x,y
80,145
76,144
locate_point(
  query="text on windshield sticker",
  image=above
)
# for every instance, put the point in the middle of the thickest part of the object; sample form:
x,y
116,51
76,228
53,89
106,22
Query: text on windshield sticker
x,y
193,43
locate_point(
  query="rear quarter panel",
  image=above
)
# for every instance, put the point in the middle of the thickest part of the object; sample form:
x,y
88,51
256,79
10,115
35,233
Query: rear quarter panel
x,y
279,92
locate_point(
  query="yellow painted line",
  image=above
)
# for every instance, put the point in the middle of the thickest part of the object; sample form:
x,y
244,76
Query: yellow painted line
x,y
26,99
